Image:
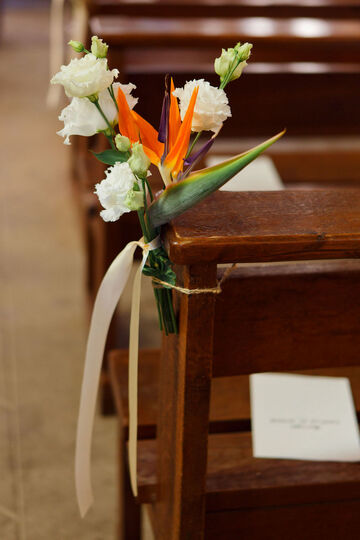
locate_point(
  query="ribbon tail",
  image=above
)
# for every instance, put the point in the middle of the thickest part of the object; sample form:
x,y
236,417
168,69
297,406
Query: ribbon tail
x,y
133,375
106,301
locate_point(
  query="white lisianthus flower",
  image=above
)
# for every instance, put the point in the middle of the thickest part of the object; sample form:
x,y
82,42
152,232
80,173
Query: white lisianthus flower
x,y
211,107
113,190
81,117
86,76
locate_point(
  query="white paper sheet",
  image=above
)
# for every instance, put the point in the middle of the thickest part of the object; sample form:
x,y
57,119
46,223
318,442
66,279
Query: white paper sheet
x,y
260,175
303,417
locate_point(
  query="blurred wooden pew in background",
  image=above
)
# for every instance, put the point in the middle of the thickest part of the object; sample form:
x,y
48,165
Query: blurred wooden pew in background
x,y
304,77
226,8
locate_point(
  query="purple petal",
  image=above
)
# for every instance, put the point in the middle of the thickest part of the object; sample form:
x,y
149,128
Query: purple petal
x,y
164,120
191,160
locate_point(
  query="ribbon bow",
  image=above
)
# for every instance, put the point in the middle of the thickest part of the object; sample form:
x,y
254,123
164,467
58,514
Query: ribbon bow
x,y
107,298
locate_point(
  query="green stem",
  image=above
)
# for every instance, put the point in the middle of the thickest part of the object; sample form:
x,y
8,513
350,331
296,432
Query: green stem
x,y
153,233
144,193
156,291
110,139
111,92
163,296
171,311
193,144
158,306
149,189
97,105
143,225
229,74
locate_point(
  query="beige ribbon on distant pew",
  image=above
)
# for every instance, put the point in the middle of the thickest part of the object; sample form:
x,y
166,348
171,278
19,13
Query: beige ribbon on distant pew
x,y
107,298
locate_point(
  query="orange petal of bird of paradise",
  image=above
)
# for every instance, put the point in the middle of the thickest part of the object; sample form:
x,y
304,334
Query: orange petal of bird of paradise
x,y
154,158
136,128
133,126
175,159
148,135
127,124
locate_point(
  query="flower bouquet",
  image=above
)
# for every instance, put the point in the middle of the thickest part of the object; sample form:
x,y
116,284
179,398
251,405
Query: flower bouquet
x,y
100,105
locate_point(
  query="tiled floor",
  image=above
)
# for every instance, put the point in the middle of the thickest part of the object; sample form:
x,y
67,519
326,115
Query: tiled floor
x,y
42,311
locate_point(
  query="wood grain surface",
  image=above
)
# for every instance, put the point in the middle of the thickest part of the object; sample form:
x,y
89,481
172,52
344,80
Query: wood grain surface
x,y
229,402
271,226
288,317
226,8
319,39
184,401
236,480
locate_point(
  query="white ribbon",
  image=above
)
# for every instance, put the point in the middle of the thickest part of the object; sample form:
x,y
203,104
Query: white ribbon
x,y
106,301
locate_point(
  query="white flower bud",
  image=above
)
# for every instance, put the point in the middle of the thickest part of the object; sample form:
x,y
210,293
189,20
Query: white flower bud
x,y
244,50
232,61
77,46
98,47
139,161
122,143
134,199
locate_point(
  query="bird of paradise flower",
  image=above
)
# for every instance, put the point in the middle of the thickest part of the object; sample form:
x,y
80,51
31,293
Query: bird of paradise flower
x,y
168,149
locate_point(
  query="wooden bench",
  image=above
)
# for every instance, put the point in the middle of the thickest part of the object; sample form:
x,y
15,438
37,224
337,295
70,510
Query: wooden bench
x,y
259,227
319,39
226,8
290,316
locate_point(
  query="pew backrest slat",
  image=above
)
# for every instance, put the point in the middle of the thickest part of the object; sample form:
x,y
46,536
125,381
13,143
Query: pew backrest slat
x,y
288,317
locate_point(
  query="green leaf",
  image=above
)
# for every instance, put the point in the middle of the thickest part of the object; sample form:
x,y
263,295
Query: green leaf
x,y
179,197
112,156
159,266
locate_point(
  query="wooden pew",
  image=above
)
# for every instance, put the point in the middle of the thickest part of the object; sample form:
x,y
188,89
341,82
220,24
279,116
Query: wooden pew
x,y
288,67
226,8
318,39
229,400
316,100
248,228
241,331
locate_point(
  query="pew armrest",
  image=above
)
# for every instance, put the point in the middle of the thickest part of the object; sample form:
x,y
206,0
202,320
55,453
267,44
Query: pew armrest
x,y
267,226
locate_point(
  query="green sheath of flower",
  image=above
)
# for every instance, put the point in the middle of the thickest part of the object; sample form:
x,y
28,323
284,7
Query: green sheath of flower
x,y
77,46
